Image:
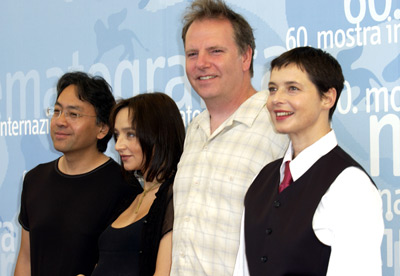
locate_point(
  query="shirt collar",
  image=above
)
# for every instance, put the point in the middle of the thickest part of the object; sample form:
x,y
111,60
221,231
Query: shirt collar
x,y
246,113
308,156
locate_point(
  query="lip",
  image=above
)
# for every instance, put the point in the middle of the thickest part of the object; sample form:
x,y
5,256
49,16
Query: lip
x,y
282,114
60,135
124,158
206,77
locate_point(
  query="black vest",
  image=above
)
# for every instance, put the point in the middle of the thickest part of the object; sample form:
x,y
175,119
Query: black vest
x,y
278,227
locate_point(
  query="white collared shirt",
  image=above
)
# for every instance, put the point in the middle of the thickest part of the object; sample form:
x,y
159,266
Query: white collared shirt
x,y
213,176
348,217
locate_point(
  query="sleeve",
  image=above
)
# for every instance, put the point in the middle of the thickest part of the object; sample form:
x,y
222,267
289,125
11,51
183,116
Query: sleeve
x,y
241,266
169,213
349,218
23,216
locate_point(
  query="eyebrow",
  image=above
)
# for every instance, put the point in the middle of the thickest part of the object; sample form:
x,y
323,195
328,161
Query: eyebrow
x,y
216,47
207,49
125,129
190,50
286,83
128,129
73,107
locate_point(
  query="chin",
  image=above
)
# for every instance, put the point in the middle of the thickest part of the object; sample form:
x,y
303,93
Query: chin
x,y
129,168
282,130
126,167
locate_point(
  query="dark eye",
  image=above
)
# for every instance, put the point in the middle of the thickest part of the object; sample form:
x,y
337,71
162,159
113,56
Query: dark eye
x,y
56,112
116,135
293,88
131,134
272,89
191,54
73,115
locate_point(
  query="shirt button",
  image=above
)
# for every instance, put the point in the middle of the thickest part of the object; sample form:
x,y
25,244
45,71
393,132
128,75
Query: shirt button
x,y
268,231
187,219
277,204
264,259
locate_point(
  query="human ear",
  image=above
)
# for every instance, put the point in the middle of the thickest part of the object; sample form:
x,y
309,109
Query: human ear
x,y
329,98
246,58
103,131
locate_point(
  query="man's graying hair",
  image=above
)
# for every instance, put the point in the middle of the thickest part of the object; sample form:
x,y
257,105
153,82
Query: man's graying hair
x,y
217,9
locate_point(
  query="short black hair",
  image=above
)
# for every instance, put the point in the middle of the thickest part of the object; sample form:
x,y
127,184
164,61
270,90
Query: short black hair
x,y
94,90
159,127
323,69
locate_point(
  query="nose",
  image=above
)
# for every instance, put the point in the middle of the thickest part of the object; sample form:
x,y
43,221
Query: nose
x,y
61,120
202,60
278,96
119,144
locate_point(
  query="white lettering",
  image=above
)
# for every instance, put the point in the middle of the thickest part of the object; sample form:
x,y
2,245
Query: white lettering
x,y
23,80
151,70
133,69
375,130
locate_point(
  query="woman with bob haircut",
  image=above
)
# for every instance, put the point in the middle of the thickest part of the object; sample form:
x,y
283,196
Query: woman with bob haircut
x,y
149,135
315,211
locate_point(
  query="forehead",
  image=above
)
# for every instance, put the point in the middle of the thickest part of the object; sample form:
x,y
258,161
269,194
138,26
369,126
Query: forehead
x,y
218,30
123,119
68,98
290,72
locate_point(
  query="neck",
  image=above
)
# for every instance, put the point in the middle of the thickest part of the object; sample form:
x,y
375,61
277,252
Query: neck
x,y
222,109
73,165
301,143
151,185
148,188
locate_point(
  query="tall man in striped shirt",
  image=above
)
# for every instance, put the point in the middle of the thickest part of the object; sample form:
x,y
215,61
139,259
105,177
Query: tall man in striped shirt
x,y
226,145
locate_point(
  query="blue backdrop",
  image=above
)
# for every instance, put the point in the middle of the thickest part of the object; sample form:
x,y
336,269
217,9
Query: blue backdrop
x,y
136,46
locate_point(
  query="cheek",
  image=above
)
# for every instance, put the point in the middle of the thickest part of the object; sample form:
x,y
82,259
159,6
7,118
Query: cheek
x,y
268,104
82,129
53,124
189,65
135,148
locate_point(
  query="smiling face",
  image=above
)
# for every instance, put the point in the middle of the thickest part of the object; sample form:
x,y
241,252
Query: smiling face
x,y
127,144
296,107
75,136
214,66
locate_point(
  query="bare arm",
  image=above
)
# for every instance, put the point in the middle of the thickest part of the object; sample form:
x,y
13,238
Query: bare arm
x,y
164,256
23,266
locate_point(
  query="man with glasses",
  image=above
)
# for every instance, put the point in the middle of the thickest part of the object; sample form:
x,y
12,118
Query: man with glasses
x,y
67,203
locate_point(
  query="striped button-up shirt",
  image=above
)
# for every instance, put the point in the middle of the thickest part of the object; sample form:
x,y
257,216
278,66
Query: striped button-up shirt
x,y
213,176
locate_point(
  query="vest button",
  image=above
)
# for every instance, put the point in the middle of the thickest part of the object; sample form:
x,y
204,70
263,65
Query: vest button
x,y
268,231
264,259
277,204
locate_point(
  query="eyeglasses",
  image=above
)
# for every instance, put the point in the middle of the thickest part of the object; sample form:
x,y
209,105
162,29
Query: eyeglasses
x,y
52,112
